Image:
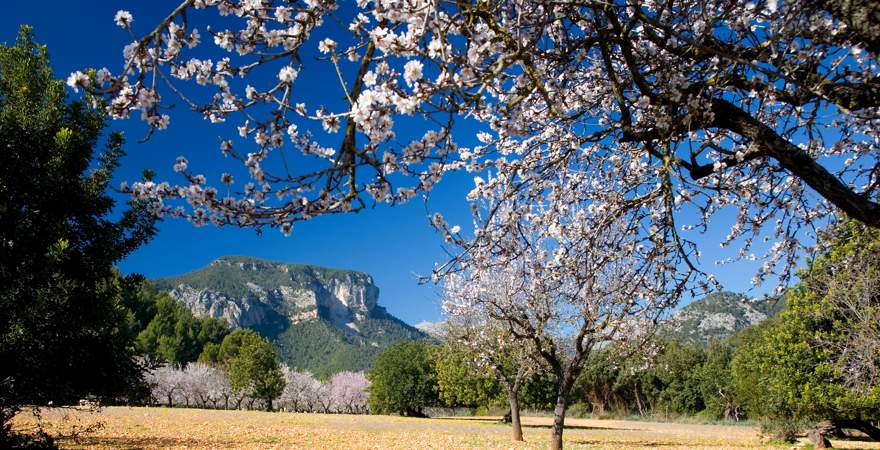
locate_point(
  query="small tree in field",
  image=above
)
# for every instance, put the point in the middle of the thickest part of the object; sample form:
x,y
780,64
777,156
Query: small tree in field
x,y
299,390
255,371
402,380
349,392
492,347
165,383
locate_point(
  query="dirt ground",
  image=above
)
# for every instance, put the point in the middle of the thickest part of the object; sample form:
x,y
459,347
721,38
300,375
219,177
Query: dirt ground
x,y
122,427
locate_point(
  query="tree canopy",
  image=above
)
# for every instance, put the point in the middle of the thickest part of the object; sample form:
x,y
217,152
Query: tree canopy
x,y
402,380
253,366
679,109
173,335
801,365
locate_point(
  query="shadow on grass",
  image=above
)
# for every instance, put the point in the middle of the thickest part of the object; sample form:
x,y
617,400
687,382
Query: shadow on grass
x,y
470,419
145,442
624,444
582,427
495,420
852,438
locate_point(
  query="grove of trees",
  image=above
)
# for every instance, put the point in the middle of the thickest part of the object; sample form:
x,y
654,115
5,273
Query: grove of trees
x,y
199,385
602,135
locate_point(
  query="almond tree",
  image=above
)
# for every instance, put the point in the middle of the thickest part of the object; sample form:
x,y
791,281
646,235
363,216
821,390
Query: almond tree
x,y
490,342
766,108
566,274
204,384
165,383
348,391
298,389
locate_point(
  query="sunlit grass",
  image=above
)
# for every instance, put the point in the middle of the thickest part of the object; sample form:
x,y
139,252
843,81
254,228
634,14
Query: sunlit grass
x,y
195,428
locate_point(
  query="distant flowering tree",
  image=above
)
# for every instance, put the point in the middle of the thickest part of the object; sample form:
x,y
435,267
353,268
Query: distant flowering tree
x,y
767,109
349,392
298,391
203,385
165,383
322,398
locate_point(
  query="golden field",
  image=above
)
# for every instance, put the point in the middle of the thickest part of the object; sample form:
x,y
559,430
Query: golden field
x,y
123,427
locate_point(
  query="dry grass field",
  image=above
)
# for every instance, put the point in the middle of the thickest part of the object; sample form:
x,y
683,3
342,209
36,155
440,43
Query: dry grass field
x,y
193,428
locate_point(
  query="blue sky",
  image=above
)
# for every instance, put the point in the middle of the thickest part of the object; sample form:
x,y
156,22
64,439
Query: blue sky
x,y
391,244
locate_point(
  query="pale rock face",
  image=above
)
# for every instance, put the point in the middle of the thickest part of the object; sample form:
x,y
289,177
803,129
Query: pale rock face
x,y
724,321
723,315
341,297
203,302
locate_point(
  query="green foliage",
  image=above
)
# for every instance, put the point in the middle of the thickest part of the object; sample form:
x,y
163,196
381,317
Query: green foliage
x,y
676,369
139,296
402,380
539,391
252,365
460,382
785,371
716,382
597,384
323,349
65,331
175,336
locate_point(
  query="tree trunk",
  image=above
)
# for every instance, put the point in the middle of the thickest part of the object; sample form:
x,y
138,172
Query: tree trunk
x,y
559,421
861,425
269,405
639,400
818,434
514,416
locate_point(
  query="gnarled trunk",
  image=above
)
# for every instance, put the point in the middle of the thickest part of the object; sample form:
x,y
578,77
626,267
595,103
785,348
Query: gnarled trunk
x,y
559,421
513,397
861,425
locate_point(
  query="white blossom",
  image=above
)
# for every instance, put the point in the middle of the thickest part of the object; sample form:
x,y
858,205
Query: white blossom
x,y
123,18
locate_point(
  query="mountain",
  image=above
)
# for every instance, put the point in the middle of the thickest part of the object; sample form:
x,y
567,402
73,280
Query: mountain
x,y
433,329
322,320
717,316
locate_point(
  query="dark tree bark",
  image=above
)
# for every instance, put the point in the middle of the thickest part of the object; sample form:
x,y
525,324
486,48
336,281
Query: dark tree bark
x,y
515,424
865,427
559,422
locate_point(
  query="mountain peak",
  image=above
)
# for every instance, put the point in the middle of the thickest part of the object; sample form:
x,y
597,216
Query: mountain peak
x,y
265,295
719,315
321,319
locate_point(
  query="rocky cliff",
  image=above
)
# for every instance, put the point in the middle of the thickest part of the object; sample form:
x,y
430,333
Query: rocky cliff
x,y
717,316
295,305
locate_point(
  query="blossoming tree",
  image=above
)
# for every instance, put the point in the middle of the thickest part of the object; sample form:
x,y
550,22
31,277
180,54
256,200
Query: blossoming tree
x,y
611,130
565,278
766,108
475,324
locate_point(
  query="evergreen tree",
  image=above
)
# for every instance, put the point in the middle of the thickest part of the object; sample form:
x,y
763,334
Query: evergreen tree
x,y
252,365
403,381
65,332
790,369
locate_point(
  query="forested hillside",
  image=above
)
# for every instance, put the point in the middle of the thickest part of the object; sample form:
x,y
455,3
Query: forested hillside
x,y
320,319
